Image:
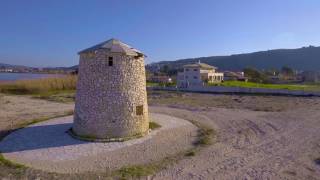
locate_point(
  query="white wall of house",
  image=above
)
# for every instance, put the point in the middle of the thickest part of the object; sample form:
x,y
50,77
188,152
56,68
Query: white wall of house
x,y
196,76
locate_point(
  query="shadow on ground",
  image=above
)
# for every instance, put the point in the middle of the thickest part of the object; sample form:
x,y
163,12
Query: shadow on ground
x,y
38,137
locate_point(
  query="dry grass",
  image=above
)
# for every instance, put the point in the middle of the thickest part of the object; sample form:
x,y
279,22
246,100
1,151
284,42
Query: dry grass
x,y
38,86
154,125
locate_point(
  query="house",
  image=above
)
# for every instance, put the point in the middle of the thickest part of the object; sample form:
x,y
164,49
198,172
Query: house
x,y
234,76
310,76
198,74
160,79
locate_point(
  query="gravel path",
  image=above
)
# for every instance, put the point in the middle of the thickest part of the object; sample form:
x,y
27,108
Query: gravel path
x,y
48,147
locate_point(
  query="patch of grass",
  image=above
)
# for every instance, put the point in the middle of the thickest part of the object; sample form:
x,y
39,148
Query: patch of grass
x,y
317,161
152,84
205,135
39,86
15,169
57,96
305,87
33,121
205,140
190,153
136,171
154,125
10,164
292,173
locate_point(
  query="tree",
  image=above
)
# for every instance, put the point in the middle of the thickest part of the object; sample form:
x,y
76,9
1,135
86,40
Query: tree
x,y
271,72
164,69
254,75
287,71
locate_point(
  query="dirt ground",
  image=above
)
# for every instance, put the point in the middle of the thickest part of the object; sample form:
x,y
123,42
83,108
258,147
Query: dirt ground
x,y
15,110
258,137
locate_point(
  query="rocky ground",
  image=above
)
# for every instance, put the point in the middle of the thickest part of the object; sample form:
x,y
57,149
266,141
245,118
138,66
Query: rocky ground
x,y
258,137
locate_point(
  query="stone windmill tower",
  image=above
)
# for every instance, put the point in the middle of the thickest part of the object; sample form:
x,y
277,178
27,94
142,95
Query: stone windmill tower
x,y
111,99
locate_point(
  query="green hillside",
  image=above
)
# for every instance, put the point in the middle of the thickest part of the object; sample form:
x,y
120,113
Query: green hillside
x,y
306,58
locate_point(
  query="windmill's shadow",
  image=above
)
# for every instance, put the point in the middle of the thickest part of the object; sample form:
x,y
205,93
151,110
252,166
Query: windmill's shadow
x,y
38,137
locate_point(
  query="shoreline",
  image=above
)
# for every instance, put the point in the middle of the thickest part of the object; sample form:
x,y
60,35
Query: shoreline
x,y
13,76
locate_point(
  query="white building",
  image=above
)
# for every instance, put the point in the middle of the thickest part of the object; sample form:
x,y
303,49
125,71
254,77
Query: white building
x,y
198,74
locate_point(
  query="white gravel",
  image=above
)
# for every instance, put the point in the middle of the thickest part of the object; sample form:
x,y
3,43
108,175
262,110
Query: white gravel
x,y
47,146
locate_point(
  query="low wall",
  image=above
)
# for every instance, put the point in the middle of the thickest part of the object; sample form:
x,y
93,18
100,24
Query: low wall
x,y
240,90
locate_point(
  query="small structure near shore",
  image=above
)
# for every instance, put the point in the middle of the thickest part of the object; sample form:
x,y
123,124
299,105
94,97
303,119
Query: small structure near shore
x,y
111,99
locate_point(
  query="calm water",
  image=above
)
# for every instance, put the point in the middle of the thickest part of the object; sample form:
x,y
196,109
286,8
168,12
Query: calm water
x,y
20,76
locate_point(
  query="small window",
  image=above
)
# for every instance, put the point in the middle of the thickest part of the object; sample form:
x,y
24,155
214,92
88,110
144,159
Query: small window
x,y
186,77
110,61
195,69
139,110
195,77
187,69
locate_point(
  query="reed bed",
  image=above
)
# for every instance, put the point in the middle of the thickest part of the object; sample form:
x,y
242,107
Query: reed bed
x,y
38,86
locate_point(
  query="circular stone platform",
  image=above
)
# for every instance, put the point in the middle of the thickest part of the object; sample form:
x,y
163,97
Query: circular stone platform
x,y
47,146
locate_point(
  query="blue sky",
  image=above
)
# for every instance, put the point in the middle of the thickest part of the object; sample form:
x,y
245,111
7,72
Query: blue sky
x,y
50,33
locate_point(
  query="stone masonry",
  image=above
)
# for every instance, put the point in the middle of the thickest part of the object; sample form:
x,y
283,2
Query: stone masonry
x,y
111,98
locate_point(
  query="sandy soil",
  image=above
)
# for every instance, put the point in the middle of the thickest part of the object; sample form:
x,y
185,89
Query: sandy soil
x,y
251,143
259,137
15,110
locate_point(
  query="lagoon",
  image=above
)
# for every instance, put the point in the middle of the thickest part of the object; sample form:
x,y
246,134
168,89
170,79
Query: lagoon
x,y
23,76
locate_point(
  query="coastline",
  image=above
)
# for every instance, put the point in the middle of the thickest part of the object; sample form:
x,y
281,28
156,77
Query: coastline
x,y
6,77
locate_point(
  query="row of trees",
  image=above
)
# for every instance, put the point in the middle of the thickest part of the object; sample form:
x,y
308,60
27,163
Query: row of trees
x,y
263,76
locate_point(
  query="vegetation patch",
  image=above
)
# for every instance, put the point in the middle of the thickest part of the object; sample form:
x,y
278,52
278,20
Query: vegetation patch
x,y
205,135
135,171
64,96
292,173
33,121
303,87
8,163
191,152
39,86
153,125
317,161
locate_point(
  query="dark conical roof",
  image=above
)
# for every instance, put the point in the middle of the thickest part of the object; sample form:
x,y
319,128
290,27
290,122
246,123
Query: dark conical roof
x,y
114,45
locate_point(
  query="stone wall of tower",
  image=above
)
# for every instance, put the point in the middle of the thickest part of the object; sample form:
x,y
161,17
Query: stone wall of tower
x,y
107,96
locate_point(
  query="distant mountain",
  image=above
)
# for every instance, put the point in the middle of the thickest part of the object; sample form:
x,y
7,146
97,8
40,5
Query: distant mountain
x,y
2,65
19,68
306,58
